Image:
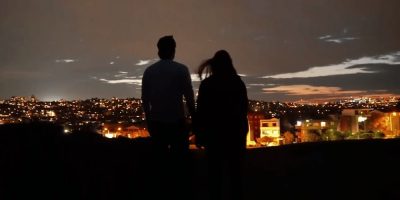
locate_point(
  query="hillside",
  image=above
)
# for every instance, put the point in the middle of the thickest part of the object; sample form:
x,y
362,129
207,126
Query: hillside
x,y
38,160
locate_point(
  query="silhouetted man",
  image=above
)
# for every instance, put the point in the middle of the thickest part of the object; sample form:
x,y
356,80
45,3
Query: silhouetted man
x,y
164,85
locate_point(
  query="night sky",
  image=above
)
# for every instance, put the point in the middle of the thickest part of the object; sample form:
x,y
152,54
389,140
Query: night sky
x,y
285,50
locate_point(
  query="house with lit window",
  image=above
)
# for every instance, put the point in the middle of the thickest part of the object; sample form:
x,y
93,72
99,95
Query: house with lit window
x,y
312,130
270,128
355,120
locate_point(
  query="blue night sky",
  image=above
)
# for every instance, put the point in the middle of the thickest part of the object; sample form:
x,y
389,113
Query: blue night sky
x,y
285,50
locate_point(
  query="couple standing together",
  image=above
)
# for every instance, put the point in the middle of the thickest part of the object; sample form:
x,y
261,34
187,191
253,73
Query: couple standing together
x,y
219,120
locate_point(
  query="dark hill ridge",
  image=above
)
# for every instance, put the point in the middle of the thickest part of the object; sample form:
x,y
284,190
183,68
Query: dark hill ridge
x,y
38,161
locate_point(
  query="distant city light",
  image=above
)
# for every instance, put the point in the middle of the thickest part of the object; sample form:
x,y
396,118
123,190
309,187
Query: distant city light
x,y
124,117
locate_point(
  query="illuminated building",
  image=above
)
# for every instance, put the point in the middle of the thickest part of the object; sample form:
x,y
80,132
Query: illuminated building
x,y
113,130
394,122
354,120
386,122
254,127
312,130
270,128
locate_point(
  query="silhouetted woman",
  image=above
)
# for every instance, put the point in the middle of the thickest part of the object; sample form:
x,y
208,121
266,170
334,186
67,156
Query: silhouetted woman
x,y
220,124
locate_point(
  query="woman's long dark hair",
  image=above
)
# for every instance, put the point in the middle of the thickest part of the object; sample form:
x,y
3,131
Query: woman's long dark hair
x,y
219,65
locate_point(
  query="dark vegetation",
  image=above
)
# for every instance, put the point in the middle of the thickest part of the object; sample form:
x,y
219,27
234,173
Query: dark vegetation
x,y
37,161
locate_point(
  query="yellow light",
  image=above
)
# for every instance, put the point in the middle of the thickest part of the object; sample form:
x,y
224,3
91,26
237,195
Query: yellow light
x,y
394,114
119,128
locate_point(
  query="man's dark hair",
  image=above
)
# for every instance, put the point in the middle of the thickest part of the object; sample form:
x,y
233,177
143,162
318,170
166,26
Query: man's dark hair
x,y
166,47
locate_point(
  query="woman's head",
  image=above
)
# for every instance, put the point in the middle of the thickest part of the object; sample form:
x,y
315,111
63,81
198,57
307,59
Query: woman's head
x,y
219,65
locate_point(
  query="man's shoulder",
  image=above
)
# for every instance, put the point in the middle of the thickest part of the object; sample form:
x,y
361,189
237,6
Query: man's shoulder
x,y
166,63
166,67
179,65
152,66
179,68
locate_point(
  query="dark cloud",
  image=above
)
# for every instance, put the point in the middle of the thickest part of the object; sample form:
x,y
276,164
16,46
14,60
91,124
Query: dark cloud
x,y
264,37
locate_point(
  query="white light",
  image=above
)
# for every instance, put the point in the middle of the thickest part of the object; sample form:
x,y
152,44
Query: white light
x,y
298,123
361,118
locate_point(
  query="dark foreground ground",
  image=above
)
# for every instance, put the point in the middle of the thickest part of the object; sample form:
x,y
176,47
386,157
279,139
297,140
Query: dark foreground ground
x,y
38,162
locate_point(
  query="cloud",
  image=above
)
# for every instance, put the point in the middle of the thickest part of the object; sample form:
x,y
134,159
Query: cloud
x,y
341,40
310,90
122,78
343,68
146,62
143,62
121,74
261,84
338,40
256,84
65,60
325,37
126,81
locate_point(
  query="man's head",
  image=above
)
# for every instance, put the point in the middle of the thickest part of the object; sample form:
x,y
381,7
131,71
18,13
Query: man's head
x,y
166,47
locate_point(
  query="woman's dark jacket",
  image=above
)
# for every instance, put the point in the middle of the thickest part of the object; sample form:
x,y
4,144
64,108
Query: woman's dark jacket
x,y
221,114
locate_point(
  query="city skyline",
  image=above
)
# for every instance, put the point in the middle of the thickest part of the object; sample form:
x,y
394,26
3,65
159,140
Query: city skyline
x,y
284,50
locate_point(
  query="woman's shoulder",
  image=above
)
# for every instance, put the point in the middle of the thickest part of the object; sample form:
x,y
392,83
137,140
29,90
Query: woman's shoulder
x,y
208,80
214,80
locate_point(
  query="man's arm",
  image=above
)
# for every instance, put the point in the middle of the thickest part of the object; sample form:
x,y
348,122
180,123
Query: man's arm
x,y
145,96
188,92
